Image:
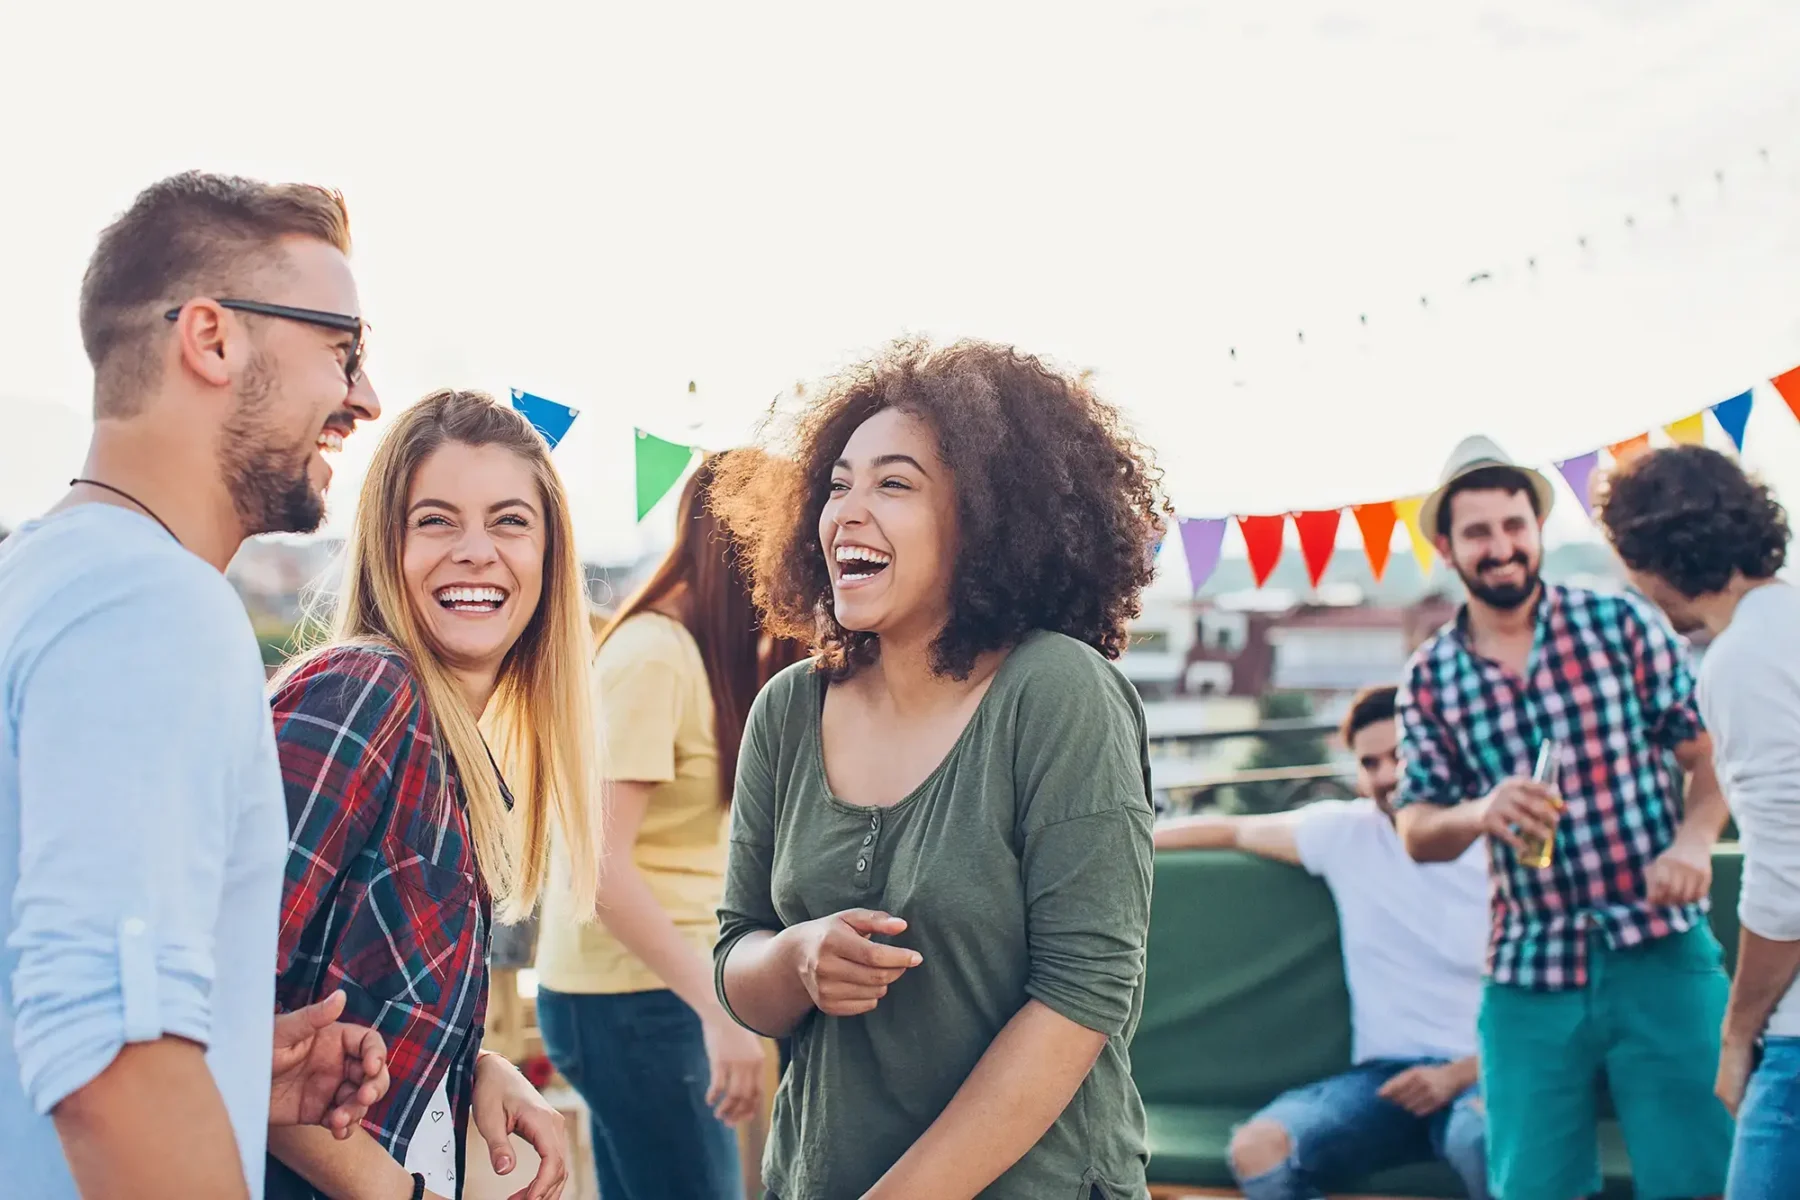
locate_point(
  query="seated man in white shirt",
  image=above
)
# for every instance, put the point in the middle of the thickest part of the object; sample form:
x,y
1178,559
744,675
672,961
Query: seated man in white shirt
x,y
1414,941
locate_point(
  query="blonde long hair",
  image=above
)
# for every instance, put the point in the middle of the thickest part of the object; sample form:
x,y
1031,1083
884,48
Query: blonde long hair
x,y
541,714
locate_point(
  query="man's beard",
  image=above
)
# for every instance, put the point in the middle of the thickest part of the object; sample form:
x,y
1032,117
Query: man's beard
x,y
270,486
1504,596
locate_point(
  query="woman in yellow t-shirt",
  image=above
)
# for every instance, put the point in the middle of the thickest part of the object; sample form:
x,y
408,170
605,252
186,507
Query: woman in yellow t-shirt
x,y
627,1007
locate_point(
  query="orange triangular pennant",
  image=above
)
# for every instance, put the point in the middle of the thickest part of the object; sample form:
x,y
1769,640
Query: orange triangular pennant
x,y
1788,384
1377,524
1623,452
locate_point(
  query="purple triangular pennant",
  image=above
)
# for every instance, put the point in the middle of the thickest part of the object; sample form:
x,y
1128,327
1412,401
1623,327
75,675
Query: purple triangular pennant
x,y
1201,540
1579,472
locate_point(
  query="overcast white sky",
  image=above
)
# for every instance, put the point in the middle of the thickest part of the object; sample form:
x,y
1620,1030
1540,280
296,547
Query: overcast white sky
x,y
600,203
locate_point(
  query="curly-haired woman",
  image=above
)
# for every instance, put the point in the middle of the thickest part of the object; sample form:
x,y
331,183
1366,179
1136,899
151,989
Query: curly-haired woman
x,y
1704,541
939,879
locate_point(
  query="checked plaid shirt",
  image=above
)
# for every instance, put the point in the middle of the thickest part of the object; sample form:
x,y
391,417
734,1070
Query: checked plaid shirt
x,y
1610,681
382,895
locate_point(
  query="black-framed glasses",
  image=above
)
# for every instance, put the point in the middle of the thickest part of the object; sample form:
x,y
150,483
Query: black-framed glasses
x,y
359,349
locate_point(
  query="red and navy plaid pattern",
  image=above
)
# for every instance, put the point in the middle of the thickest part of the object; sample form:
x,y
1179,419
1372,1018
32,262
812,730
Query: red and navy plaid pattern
x,y
382,896
1611,682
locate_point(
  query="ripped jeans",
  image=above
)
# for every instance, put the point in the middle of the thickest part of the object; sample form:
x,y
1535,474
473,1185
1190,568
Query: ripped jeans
x,y
1341,1131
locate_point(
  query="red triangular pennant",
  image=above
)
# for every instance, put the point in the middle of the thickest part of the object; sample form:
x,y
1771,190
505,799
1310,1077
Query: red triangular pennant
x,y
1788,384
1377,524
1318,539
1262,541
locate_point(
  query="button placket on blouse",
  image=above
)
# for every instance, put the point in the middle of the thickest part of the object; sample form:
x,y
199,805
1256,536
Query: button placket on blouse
x,y
866,851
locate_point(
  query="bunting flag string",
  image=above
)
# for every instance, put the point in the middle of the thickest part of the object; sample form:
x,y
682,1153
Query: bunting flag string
x,y
1202,538
1576,247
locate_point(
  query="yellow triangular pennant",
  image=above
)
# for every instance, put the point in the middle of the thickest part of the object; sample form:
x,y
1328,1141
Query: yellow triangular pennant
x,y
1689,431
1408,512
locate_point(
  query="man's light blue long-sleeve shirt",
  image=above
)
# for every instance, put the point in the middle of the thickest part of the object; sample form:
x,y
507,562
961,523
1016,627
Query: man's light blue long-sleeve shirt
x,y
142,828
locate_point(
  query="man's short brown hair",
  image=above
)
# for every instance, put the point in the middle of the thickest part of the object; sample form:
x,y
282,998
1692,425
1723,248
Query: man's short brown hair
x,y
191,234
1372,705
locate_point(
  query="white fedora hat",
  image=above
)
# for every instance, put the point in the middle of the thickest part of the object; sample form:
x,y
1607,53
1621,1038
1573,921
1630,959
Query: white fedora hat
x,y
1475,454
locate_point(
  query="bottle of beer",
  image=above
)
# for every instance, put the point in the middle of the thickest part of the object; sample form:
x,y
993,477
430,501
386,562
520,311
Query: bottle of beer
x,y
1539,853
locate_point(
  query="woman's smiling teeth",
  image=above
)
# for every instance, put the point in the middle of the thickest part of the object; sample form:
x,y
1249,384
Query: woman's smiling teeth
x,y
471,599
860,562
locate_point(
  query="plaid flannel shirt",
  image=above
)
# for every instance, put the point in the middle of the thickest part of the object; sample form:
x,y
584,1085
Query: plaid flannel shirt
x,y
1611,682
382,896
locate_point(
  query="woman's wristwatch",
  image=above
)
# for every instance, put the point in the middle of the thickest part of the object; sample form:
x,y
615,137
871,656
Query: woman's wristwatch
x,y
418,1186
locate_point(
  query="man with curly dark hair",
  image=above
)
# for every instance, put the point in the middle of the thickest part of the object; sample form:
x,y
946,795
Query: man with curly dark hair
x,y
939,878
1704,541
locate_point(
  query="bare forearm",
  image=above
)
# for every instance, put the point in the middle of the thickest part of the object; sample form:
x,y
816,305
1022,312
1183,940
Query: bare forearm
x,y
762,985
631,913
1765,971
1015,1093
1706,809
1439,832
1468,1072
356,1168
151,1126
1196,833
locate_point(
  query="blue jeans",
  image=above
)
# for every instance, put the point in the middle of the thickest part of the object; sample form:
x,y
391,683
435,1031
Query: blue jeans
x,y
1340,1131
1765,1159
639,1061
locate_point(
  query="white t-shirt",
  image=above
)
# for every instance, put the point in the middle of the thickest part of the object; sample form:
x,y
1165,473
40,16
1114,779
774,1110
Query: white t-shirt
x,y
432,1151
1749,696
1414,934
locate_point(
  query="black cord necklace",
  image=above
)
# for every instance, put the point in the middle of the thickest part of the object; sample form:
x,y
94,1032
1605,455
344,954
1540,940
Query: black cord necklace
x,y
148,511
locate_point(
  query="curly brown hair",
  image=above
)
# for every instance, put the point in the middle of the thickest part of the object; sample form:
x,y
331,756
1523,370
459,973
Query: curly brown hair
x,y
1692,517
1058,505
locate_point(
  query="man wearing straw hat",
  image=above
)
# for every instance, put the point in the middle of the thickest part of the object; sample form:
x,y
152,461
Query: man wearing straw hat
x,y
1601,959
1704,541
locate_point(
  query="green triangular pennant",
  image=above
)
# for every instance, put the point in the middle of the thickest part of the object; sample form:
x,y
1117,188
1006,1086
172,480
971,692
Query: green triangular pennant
x,y
660,466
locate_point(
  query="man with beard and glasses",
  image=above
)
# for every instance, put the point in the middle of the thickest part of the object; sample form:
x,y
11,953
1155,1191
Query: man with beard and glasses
x,y
1601,961
1704,541
143,830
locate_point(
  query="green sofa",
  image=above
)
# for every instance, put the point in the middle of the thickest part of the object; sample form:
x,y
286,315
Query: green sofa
x,y
1245,998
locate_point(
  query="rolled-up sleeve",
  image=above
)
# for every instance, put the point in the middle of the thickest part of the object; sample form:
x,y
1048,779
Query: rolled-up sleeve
x,y
748,903
1429,766
1087,860
1756,711
1087,891
1663,675
125,819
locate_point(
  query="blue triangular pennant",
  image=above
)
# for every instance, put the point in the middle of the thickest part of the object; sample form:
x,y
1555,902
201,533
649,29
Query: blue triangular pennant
x,y
1733,415
549,418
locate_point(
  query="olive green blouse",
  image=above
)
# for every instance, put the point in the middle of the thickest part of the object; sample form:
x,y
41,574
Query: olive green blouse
x,y
1022,866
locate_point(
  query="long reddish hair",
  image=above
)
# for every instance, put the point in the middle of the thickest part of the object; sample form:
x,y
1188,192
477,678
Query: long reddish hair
x,y
739,657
